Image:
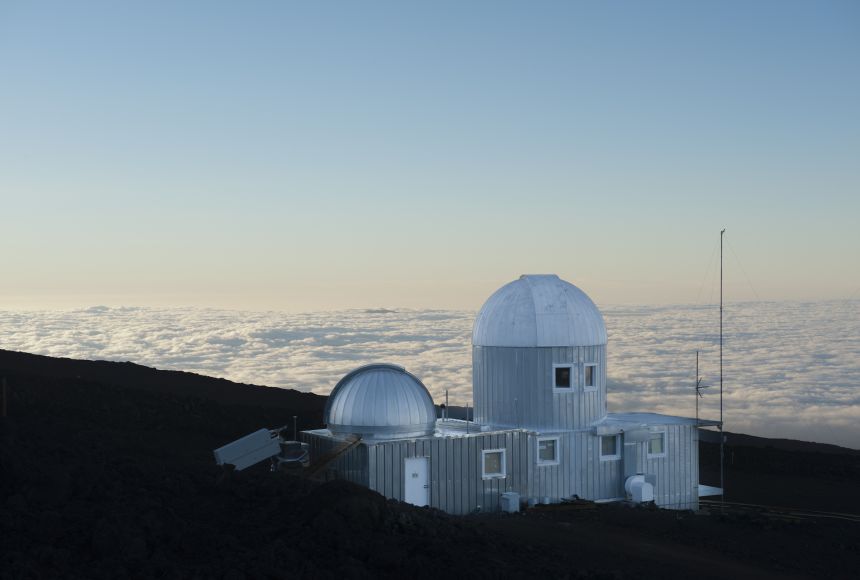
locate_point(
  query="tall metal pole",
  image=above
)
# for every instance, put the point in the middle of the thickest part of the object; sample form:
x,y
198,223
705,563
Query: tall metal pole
x,y
722,436
697,389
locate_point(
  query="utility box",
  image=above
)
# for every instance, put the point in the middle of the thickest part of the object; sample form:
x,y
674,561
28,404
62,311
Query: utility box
x,y
510,502
249,450
642,492
640,488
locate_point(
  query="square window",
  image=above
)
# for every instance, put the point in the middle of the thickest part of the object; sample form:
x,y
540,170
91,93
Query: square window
x,y
590,371
548,451
609,447
562,377
494,463
657,445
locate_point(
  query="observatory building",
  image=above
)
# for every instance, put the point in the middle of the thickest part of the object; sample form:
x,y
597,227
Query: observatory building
x,y
540,431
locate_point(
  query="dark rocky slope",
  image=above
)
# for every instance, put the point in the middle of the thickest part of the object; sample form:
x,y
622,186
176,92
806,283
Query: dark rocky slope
x,y
106,472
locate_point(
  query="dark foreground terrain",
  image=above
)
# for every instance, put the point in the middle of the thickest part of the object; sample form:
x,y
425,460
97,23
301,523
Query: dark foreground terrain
x,y
106,472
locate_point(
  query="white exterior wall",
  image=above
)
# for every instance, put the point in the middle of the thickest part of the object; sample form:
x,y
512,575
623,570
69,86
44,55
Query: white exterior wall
x,y
513,387
455,478
580,471
456,483
457,486
678,472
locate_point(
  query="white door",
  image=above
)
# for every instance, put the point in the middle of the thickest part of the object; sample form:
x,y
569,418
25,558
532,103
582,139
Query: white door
x,y
417,487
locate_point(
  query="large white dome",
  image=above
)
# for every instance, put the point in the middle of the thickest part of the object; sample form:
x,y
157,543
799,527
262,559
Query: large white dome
x,y
381,401
539,310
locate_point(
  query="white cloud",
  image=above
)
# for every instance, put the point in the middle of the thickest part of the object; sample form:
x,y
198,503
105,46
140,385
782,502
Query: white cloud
x,y
792,369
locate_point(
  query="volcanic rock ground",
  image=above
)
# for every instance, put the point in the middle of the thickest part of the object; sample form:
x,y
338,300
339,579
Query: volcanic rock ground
x,y
106,471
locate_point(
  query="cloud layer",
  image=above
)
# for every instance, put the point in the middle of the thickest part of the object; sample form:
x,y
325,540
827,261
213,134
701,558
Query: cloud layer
x,y
792,369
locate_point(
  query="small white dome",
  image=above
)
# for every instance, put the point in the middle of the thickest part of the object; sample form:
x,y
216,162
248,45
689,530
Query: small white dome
x,y
539,310
381,401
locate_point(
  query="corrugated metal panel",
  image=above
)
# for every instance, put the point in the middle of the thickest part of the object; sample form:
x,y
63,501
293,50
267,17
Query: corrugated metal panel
x,y
539,310
580,471
351,465
380,400
456,485
677,473
513,387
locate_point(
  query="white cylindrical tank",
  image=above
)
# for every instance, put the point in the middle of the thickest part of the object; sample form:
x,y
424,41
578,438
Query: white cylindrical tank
x,y
638,489
539,356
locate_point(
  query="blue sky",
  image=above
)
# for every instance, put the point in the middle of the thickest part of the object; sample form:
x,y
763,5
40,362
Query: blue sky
x,y
340,154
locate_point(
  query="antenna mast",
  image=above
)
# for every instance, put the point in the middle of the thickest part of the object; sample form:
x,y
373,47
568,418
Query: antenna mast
x,y
698,393
698,388
722,437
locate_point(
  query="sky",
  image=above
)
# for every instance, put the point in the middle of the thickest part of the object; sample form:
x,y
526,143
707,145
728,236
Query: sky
x,y
328,155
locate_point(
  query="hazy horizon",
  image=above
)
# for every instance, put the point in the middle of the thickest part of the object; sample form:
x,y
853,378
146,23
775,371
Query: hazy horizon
x,y
738,288
791,368
372,308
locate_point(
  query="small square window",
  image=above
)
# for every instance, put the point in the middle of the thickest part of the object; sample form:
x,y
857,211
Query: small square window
x,y
562,377
609,447
494,463
657,445
590,379
548,451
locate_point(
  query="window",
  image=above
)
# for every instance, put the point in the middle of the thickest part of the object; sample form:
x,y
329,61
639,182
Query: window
x,y
547,450
610,447
657,445
562,377
494,464
590,377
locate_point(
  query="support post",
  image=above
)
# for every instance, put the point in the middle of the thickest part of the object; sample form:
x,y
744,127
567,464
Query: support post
x,y
722,436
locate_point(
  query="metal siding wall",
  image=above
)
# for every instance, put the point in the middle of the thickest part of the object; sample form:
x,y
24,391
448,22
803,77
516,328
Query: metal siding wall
x,y
591,461
587,466
694,462
516,445
456,485
612,477
580,471
388,488
677,473
503,375
352,466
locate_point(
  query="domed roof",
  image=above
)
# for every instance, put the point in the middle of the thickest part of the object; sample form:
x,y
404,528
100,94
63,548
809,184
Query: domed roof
x,y
539,311
381,401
